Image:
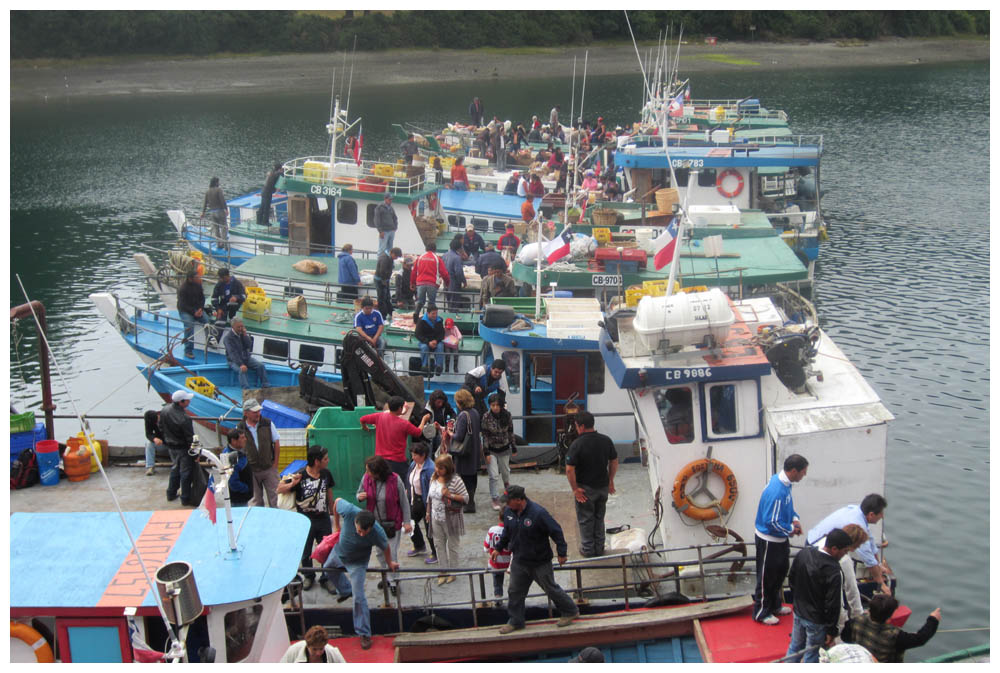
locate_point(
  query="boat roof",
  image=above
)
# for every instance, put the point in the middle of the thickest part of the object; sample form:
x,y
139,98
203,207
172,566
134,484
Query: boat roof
x,y
753,223
725,156
282,266
570,324
51,572
760,261
489,204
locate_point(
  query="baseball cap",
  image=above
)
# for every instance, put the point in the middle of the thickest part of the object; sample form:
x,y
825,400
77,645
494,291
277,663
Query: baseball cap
x,y
588,655
252,405
182,395
470,227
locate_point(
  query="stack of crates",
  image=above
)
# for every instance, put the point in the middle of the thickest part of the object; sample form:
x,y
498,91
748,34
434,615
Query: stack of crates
x,y
257,306
602,235
24,433
655,288
293,446
339,431
292,429
633,295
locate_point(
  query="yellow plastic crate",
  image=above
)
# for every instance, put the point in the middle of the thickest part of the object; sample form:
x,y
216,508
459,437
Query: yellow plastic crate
x,y
255,289
257,307
288,454
315,171
602,235
655,288
200,385
633,295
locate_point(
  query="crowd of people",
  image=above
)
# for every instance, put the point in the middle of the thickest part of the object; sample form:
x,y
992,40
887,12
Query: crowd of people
x,y
827,605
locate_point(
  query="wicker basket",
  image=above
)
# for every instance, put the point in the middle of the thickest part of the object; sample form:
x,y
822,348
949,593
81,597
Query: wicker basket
x,y
665,199
604,217
297,307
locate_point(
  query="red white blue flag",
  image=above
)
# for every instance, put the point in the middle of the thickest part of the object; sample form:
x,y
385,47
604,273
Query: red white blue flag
x,y
676,108
359,144
141,652
558,247
687,92
664,245
208,507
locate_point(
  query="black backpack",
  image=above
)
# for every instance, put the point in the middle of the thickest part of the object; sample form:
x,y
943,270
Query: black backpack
x,y
24,470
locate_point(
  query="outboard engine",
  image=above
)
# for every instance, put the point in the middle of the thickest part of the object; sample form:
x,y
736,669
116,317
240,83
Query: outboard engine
x,y
792,354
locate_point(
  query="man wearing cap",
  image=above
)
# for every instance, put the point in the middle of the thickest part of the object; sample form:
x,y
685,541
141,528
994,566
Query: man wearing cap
x,y
527,529
427,271
483,381
509,239
178,433
370,324
262,449
238,346
228,296
472,241
498,284
386,223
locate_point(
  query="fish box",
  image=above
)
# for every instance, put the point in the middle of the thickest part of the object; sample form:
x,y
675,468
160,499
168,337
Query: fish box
x,y
635,255
283,417
19,441
200,385
714,216
685,319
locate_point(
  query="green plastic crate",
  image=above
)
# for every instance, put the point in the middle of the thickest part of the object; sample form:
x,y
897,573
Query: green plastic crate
x,y
22,422
340,432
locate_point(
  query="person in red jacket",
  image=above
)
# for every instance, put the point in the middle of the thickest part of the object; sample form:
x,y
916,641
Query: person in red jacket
x,y
424,278
391,433
510,239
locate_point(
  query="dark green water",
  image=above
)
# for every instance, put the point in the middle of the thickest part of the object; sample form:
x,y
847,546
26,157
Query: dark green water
x,y
903,284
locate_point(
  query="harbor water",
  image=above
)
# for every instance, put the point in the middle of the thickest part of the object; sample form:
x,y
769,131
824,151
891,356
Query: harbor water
x,y
902,286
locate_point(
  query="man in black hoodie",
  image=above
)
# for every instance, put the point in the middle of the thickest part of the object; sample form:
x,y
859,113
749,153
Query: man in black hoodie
x,y
191,307
430,334
816,583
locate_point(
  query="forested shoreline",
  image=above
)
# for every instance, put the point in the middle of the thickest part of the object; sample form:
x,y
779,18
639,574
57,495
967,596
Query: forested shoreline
x,y
76,34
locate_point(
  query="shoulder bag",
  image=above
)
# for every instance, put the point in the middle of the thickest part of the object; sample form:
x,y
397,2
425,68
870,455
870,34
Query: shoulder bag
x,y
468,443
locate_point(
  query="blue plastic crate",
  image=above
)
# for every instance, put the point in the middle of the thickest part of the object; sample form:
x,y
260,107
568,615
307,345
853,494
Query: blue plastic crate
x,y
282,416
19,441
293,467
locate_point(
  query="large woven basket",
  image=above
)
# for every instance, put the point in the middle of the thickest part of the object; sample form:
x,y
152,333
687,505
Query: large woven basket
x,y
666,198
297,307
604,217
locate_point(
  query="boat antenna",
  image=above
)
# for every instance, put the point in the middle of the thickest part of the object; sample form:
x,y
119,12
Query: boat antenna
x,y
645,82
677,58
571,179
331,128
343,72
176,646
350,82
572,104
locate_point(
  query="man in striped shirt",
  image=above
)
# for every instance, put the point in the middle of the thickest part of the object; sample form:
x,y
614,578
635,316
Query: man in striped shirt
x,y
776,522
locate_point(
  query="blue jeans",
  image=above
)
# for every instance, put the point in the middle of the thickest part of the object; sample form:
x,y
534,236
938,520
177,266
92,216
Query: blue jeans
x,y
806,634
460,185
426,295
189,322
385,240
256,365
349,579
150,454
425,352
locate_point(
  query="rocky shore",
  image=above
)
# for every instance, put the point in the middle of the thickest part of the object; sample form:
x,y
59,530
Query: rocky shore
x,y
30,81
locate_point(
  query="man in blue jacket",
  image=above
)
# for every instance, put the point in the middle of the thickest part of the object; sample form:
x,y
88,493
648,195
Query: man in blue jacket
x,y
526,532
776,522
238,354
347,273
456,275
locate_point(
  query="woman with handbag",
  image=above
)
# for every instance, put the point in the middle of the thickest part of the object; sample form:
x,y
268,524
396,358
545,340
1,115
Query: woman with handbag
x,y
446,498
466,447
419,477
383,493
498,444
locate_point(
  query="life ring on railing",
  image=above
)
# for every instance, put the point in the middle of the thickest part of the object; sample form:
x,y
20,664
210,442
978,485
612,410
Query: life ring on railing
x,y
714,510
34,640
722,177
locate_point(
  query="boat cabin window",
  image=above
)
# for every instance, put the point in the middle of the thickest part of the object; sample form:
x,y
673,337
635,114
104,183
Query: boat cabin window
x,y
683,175
275,349
706,177
241,628
676,413
595,374
311,354
347,212
732,410
513,361
722,406
370,215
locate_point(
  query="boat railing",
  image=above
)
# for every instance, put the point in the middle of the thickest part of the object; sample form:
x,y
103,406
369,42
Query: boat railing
x,y
368,176
260,238
641,575
731,105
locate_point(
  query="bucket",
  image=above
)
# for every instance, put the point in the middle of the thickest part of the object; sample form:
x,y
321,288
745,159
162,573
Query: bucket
x,y
644,239
47,451
77,466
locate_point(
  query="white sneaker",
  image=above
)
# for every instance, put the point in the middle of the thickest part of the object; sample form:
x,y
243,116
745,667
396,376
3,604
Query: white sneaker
x,y
770,620
784,610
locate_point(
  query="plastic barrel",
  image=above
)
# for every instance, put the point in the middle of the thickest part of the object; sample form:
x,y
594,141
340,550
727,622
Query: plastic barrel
x,y
47,452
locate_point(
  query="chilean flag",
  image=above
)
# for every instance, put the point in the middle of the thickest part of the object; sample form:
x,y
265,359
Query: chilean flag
x,y
676,108
208,507
141,652
687,93
558,247
359,144
665,244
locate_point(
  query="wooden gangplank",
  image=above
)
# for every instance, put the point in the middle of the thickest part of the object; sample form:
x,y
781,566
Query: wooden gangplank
x,y
477,644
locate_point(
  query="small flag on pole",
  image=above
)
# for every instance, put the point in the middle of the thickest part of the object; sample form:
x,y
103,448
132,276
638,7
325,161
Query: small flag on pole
x,y
207,506
141,652
664,245
676,108
359,144
558,247
687,93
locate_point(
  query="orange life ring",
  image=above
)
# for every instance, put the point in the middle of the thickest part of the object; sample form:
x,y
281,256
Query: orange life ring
x,y
34,640
715,510
725,174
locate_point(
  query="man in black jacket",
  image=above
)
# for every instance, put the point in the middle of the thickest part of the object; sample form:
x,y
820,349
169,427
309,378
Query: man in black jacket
x,y
886,642
178,433
816,583
191,307
239,356
154,439
527,528
383,274
228,296
430,334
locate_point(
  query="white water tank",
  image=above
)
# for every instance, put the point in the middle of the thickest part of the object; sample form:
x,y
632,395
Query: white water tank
x,y
684,319
714,216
